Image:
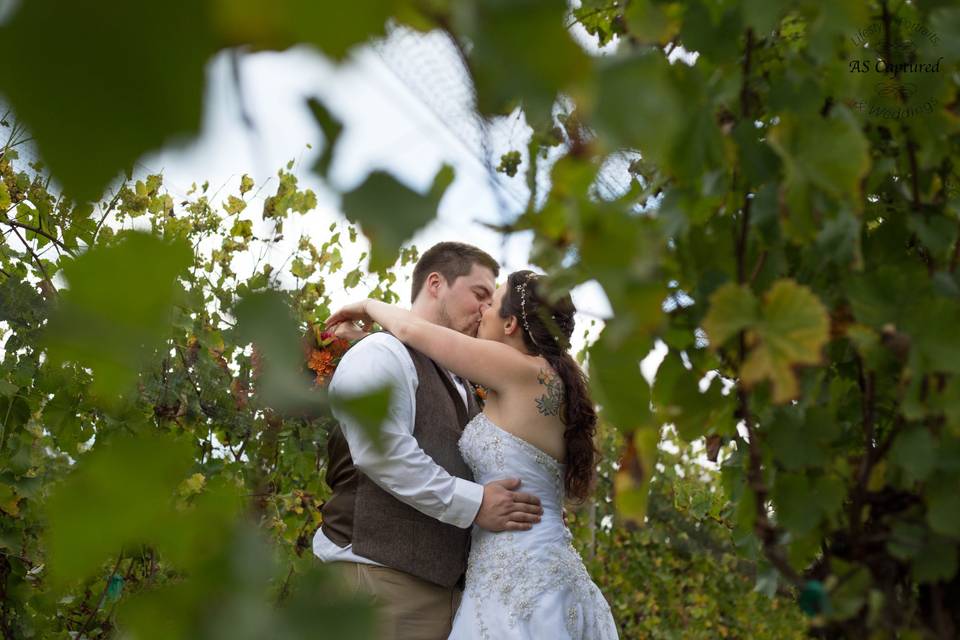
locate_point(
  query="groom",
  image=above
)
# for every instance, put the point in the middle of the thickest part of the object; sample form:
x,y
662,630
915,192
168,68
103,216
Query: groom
x,y
398,523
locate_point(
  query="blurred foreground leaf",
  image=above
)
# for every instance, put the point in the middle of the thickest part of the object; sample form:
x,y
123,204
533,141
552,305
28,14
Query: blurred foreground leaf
x,y
520,50
121,493
265,319
631,484
368,409
278,24
389,213
117,309
95,96
231,596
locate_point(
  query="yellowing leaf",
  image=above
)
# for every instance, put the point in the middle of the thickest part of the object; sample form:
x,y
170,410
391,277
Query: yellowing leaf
x,y
193,484
733,308
246,184
794,328
234,205
242,229
9,501
790,329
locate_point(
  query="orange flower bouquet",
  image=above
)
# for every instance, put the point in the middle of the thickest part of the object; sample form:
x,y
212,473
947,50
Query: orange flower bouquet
x,y
323,351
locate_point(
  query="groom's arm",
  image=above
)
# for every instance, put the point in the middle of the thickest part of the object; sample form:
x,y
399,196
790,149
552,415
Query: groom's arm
x,y
401,468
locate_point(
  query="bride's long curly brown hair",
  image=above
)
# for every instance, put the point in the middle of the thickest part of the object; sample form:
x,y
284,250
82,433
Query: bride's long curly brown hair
x,y
546,332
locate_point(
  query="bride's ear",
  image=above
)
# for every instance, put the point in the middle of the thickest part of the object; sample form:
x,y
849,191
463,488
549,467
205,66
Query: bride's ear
x,y
510,326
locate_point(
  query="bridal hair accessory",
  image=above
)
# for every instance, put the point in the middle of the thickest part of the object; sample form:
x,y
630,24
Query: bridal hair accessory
x,y
522,290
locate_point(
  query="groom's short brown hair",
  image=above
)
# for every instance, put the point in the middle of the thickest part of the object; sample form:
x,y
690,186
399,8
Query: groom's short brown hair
x,y
451,260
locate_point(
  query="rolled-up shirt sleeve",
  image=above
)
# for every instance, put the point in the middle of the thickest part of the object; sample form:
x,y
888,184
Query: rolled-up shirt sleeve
x,y
401,467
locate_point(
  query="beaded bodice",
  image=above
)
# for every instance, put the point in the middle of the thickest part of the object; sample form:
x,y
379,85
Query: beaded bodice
x,y
517,567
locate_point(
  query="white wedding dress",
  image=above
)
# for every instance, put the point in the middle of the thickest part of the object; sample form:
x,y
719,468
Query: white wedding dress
x,y
525,584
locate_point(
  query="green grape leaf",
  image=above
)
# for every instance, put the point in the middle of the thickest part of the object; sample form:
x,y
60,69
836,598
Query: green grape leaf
x,y
15,412
234,205
599,18
678,399
60,417
114,115
915,451
796,440
707,29
802,503
830,154
945,21
943,507
906,540
794,508
936,560
389,213
302,269
9,500
758,161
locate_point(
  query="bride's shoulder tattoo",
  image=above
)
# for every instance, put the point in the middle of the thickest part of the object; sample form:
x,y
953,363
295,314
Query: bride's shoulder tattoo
x,y
549,403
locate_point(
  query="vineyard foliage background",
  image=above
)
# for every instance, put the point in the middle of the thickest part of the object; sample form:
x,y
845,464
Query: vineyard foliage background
x,y
792,236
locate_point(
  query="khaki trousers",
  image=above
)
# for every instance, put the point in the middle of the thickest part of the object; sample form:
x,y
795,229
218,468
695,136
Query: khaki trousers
x,y
410,608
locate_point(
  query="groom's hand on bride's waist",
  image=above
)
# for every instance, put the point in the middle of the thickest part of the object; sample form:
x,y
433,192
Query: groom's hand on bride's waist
x,y
505,509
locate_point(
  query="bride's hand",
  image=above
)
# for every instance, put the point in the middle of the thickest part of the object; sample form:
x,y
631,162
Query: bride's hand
x,y
349,331
353,312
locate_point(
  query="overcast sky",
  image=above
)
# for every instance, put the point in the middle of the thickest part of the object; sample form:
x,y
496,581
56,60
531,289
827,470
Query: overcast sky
x,y
388,125
406,108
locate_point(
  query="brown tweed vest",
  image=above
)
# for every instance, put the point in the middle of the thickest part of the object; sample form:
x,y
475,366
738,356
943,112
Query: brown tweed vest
x,y
384,529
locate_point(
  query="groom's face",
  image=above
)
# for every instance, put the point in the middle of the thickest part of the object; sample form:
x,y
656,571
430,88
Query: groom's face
x,y
463,302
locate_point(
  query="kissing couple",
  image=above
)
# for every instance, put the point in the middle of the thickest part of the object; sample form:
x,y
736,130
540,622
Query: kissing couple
x,y
431,524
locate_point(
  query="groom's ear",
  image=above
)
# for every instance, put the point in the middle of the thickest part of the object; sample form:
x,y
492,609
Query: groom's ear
x,y
433,282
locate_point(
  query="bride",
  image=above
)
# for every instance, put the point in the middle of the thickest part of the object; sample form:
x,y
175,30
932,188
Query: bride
x,y
537,424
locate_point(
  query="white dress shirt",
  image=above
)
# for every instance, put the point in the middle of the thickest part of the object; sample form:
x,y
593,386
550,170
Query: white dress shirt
x,y
403,469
